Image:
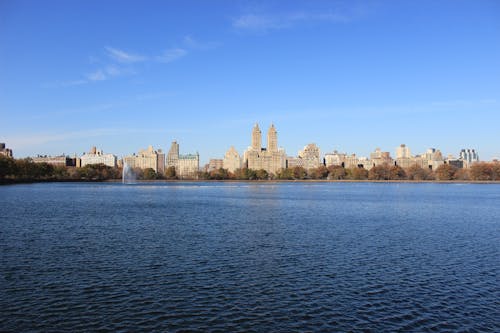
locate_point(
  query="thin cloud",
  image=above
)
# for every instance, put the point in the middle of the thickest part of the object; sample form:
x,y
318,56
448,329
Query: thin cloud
x,y
172,55
263,23
108,72
98,75
122,56
192,43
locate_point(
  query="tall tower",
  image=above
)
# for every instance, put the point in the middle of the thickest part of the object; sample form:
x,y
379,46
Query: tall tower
x,y
256,138
272,139
173,155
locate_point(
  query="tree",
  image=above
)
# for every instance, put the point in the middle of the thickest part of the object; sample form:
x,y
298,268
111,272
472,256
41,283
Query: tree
x,y
149,174
336,172
380,172
397,173
284,173
320,172
485,171
261,174
445,172
219,174
416,172
357,173
7,167
170,173
299,172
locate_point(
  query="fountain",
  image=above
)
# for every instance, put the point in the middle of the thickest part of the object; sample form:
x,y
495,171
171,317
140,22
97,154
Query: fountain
x,y
128,176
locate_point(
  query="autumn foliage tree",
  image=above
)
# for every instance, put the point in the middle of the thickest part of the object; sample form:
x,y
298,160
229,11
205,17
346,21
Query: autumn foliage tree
x,y
445,172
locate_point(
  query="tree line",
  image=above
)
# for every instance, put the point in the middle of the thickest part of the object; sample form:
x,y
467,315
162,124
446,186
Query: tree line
x,y
19,170
481,171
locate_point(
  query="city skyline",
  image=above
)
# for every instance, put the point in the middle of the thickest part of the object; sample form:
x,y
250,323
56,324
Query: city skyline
x,y
348,76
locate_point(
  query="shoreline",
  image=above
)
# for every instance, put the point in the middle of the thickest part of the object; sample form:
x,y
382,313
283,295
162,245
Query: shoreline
x,y
273,181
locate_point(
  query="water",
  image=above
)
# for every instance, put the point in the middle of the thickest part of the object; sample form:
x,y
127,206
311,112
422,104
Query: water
x,y
250,257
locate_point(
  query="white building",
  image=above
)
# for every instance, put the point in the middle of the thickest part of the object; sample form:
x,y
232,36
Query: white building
x,y
97,156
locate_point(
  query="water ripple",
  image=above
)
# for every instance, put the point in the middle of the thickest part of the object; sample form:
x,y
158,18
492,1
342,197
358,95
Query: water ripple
x,y
250,258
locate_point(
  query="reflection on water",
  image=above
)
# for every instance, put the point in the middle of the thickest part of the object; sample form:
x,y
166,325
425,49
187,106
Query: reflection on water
x,y
250,257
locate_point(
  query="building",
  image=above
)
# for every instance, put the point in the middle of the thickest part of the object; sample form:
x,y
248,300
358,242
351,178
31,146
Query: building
x,y
468,156
214,164
335,159
64,161
232,160
173,155
186,166
271,158
145,159
310,155
403,151
160,167
378,157
97,156
403,156
5,151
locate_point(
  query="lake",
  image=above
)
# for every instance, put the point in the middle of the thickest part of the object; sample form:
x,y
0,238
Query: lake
x,y
250,257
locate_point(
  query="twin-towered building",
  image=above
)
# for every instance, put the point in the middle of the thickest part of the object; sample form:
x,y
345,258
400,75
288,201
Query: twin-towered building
x,y
271,158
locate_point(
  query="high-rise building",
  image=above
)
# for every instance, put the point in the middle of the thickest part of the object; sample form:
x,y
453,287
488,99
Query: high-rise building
x,y
310,156
173,155
469,156
335,158
145,159
272,139
186,166
403,151
256,138
161,162
271,158
232,160
97,156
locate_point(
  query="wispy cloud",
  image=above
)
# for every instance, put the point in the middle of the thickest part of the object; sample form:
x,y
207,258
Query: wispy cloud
x,y
193,43
108,72
122,56
264,22
124,63
172,55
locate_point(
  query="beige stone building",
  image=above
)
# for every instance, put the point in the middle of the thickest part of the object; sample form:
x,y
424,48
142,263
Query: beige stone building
x,y
144,159
271,158
214,164
97,156
335,158
186,166
60,161
311,156
232,160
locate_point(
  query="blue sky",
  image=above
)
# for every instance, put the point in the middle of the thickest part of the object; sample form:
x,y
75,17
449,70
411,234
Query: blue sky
x,y
346,75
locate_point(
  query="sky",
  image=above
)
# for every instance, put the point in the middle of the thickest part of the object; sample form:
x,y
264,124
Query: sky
x,y
347,75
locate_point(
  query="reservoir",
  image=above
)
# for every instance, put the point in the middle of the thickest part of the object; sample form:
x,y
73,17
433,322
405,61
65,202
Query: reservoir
x,y
250,257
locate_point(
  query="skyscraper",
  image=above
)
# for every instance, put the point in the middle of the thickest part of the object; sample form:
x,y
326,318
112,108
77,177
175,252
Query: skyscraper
x,y
256,138
271,158
272,139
